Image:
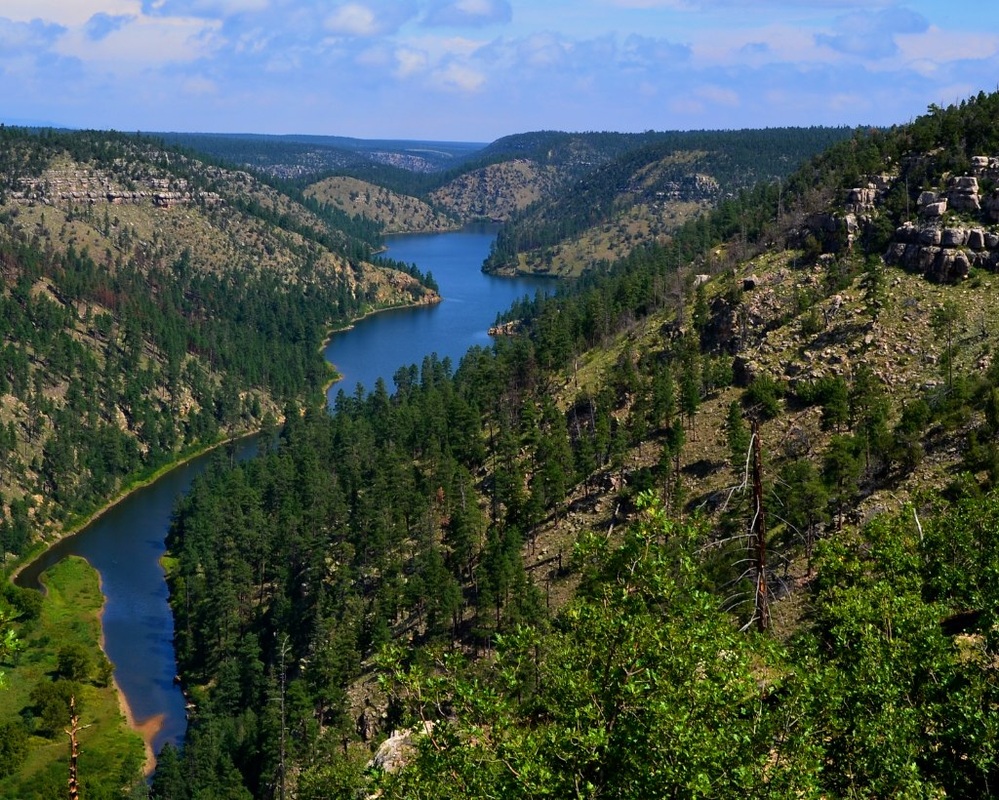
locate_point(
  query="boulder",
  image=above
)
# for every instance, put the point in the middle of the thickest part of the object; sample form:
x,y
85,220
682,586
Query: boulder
x,y
954,237
927,260
398,750
952,265
907,233
926,198
934,210
960,201
976,239
991,205
862,198
930,236
964,183
963,193
896,253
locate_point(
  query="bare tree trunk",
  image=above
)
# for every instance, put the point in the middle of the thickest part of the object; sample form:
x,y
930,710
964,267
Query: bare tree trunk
x,y
760,534
74,748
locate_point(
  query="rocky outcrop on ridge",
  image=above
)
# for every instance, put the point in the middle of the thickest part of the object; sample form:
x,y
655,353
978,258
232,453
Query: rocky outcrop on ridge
x,y
83,186
955,230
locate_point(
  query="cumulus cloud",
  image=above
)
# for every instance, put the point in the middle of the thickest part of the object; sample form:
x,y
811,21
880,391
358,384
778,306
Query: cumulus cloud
x,y
101,25
646,52
468,13
410,62
710,5
369,19
544,50
17,37
353,19
872,35
755,49
459,77
213,9
144,43
65,13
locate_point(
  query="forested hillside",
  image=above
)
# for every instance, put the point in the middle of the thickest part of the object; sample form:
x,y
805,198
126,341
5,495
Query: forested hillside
x,y
391,212
719,521
575,201
646,193
303,157
151,305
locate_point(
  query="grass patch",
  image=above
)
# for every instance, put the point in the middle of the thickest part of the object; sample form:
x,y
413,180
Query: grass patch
x,y
112,754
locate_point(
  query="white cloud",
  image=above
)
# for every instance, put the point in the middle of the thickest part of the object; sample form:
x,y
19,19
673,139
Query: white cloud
x,y
66,12
460,13
145,43
459,77
543,50
369,19
870,35
353,19
17,37
199,86
718,95
215,9
938,45
410,62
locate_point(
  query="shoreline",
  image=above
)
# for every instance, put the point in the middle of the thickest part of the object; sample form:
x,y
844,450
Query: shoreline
x,y
438,299
66,533
147,729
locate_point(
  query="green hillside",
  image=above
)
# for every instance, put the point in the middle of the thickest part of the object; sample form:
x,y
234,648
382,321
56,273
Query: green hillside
x,y
591,577
152,305
717,519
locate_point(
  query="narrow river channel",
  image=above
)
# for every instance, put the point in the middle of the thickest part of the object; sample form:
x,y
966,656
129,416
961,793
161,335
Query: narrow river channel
x,y
126,543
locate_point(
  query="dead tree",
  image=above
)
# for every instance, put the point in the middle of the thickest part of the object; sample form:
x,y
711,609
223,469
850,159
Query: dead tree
x,y
759,534
74,748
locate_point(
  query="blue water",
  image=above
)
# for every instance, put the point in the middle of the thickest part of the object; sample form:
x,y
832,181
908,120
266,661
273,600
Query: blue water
x,y
126,543
378,345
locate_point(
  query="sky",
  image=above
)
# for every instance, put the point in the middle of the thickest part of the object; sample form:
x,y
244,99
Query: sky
x,y
476,70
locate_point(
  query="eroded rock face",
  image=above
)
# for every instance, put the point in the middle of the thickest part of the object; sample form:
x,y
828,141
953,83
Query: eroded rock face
x,y
951,235
943,254
934,210
991,206
954,237
940,245
963,193
399,749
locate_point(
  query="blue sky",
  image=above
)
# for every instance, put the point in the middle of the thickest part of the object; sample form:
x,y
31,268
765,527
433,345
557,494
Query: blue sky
x,y
475,70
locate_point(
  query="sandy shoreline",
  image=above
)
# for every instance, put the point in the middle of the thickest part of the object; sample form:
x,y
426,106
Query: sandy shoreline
x,y
148,728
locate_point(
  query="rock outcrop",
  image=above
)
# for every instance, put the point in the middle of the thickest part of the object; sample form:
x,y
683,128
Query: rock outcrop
x,y
952,235
83,187
943,253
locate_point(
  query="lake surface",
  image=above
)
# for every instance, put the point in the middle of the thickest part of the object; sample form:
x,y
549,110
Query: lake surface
x,y
126,543
378,345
